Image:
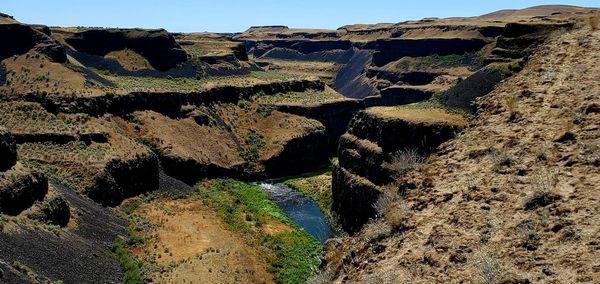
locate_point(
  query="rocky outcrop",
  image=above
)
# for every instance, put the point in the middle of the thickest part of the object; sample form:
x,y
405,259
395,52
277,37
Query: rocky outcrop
x,y
122,178
53,210
353,205
19,189
190,170
519,40
399,95
335,116
372,139
88,240
8,150
20,38
157,46
300,154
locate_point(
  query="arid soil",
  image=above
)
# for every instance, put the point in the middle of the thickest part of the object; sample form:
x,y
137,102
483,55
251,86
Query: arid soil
x,y
195,246
513,199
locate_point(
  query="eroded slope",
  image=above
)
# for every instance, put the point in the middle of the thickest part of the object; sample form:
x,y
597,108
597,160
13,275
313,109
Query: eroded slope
x,y
513,198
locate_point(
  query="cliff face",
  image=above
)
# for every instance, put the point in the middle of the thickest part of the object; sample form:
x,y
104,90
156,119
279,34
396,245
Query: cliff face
x,y
157,46
388,50
367,149
122,178
20,38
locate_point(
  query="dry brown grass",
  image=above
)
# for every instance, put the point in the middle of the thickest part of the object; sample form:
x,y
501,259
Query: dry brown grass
x,y
308,97
190,244
32,118
593,22
510,103
403,161
422,115
129,59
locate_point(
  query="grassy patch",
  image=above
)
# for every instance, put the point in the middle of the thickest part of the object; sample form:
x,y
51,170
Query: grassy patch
x,y
172,84
246,209
307,97
131,268
269,75
25,117
438,61
255,143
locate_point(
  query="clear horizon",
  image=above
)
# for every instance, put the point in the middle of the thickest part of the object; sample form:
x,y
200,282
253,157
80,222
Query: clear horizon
x,y
237,16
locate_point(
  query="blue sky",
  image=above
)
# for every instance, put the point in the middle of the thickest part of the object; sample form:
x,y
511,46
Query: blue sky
x,y
238,15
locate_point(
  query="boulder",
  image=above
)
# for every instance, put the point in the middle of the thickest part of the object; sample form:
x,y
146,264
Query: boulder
x,y
124,178
8,150
53,210
19,189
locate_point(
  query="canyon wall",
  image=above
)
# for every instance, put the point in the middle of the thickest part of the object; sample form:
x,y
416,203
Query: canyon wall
x,y
370,143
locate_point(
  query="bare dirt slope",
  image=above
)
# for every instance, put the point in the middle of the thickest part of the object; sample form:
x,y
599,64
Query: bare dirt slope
x,y
513,199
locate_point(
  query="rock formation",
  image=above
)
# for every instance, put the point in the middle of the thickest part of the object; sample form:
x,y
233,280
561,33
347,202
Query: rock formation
x,y
365,151
20,38
157,46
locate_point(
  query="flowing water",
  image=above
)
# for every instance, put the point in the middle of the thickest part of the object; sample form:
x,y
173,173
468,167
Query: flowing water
x,y
302,210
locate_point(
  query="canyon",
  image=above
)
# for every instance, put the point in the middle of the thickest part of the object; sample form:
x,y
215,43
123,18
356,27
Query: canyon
x,y
435,149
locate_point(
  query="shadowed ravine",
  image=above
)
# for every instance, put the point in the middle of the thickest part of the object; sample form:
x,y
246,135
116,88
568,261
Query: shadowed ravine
x,y
302,210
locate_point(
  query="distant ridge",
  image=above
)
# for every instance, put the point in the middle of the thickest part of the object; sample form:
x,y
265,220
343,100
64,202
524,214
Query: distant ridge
x,y
536,11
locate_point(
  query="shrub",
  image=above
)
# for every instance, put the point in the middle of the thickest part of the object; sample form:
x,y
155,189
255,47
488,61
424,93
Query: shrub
x,y
130,267
403,161
398,216
254,143
501,158
593,22
510,102
383,203
543,187
488,268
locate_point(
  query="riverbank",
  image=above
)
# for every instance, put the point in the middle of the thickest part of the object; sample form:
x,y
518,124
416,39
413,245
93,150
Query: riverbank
x,y
224,230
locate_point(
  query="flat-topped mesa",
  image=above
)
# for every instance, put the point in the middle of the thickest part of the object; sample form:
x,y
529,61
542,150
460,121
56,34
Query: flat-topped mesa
x,y
367,150
157,46
20,38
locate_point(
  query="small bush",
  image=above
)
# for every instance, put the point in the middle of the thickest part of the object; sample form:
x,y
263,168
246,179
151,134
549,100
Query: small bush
x,y
254,143
398,216
543,187
404,160
510,102
501,158
488,268
383,203
593,23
